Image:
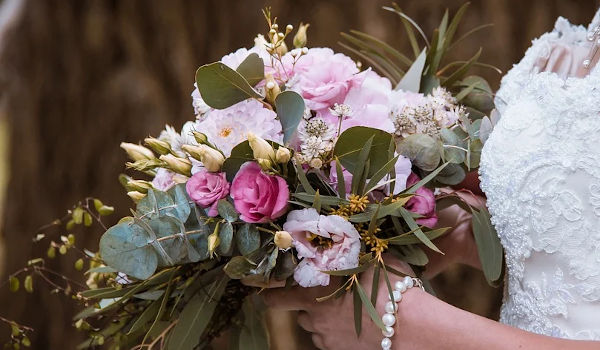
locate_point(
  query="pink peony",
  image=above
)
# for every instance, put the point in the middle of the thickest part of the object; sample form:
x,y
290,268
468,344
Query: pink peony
x,y
369,102
324,78
259,197
422,203
342,255
206,188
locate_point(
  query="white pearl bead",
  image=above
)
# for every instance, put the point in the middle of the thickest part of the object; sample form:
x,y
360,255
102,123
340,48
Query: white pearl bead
x,y
391,307
386,344
400,286
396,294
388,319
409,282
388,332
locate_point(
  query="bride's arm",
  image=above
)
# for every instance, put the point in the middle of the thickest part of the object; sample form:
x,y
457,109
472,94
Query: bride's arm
x,y
423,322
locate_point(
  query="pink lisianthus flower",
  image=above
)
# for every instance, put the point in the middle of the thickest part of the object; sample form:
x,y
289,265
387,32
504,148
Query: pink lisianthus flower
x,y
259,197
206,189
343,254
369,103
165,179
422,203
324,78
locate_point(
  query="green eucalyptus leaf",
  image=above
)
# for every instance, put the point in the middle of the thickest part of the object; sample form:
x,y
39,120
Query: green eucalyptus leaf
x,y
454,148
475,154
290,109
196,316
238,267
352,141
252,69
145,317
452,174
240,154
423,150
222,87
227,211
226,239
247,239
125,248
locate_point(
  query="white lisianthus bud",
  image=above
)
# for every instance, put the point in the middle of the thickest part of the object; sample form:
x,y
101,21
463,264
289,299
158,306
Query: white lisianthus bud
x,y
272,88
316,163
283,240
136,196
300,37
261,149
200,137
159,146
289,28
283,155
139,185
213,242
265,164
137,152
210,157
176,164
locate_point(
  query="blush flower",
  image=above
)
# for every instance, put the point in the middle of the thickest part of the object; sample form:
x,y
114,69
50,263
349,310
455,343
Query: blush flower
x,y
258,197
324,78
225,128
206,189
307,227
422,203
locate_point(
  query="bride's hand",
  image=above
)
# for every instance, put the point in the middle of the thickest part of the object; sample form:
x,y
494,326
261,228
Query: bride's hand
x,y
331,322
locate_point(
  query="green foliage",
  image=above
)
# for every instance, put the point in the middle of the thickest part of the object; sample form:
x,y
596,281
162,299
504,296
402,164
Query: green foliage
x,y
160,234
290,109
488,246
253,335
221,86
196,316
352,141
252,69
423,150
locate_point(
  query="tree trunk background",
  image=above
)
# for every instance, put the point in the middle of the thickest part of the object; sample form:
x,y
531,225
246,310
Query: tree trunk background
x,y
78,77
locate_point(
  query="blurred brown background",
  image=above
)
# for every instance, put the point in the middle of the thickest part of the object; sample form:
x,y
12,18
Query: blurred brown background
x,y
78,77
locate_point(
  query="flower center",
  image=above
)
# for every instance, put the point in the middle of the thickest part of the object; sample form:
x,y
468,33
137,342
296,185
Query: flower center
x,y
225,132
320,241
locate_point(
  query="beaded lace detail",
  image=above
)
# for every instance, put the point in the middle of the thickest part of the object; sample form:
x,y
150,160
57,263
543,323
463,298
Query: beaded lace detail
x,y
540,170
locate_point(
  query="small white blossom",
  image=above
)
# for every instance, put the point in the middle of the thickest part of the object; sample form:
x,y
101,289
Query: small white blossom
x,y
341,110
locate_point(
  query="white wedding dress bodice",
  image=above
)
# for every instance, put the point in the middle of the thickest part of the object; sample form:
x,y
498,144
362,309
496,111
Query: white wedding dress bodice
x,y
540,170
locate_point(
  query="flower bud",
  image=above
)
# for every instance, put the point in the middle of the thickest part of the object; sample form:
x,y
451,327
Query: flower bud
x,y
213,242
137,152
136,196
210,157
139,185
283,155
289,28
159,146
283,240
316,163
200,137
260,147
265,164
178,165
300,37
272,88
281,48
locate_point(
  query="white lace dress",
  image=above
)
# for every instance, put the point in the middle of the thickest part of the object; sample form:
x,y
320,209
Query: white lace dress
x,y
541,173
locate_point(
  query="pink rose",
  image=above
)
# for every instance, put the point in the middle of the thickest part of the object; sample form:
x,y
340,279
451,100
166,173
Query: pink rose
x,y
323,77
422,203
343,253
258,197
206,188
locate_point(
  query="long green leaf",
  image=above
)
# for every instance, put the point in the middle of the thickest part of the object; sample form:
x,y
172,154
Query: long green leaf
x,y
381,173
426,179
359,170
196,316
341,181
368,306
488,245
412,79
405,239
454,25
418,232
387,48
357,312
469,33
409,20
460,72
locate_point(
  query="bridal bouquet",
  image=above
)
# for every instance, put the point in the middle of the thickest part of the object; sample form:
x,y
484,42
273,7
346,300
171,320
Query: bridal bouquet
x,y
301,164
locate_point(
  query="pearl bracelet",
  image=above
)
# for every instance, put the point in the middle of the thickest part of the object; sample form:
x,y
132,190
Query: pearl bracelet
x,y
391,307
